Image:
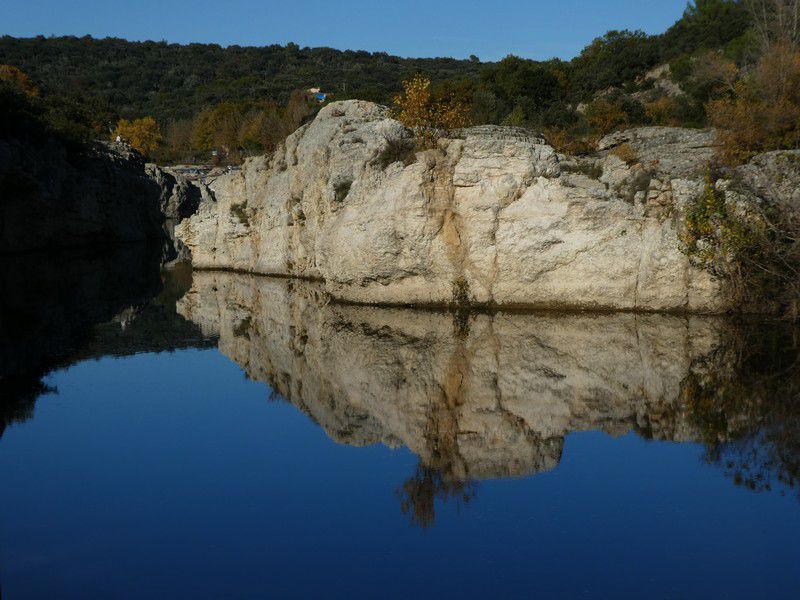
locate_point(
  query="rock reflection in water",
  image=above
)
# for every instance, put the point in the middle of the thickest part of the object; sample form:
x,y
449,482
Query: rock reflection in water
x,y
56,310
490,400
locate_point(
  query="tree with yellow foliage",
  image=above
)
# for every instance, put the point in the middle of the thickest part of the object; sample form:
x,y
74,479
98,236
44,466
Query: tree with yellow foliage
x,y
18,79
763,111
143,134
606,116
425,117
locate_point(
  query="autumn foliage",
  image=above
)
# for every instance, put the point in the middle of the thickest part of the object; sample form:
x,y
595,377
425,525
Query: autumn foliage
x,y
18,80
235,129
664,111
605,116
425,116
143,134
762,112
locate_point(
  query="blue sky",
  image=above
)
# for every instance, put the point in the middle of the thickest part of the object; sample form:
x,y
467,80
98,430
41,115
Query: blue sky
x,y
490,29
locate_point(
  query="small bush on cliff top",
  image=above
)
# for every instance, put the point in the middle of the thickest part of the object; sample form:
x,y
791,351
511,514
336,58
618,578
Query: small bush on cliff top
x,y
426,118
397,150
626,153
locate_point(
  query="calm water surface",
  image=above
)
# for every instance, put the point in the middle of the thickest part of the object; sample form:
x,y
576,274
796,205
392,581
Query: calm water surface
x,y
215,435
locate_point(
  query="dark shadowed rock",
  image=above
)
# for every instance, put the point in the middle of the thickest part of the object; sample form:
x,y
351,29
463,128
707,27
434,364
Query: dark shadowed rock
x,y
53,198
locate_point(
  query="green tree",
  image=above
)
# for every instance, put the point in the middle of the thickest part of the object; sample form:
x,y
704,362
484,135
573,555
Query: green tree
x,y
612,60
705,24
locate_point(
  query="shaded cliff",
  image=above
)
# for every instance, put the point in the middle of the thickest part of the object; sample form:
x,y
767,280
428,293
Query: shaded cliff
x,y
52,196
60,189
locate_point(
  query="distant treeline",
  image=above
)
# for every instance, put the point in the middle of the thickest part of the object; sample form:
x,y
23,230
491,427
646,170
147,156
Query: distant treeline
x,y
172,81
190,90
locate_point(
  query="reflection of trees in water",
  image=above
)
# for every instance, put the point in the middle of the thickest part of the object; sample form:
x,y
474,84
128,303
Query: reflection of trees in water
x,y
745,400
760,462
59,310
419,493
445,475
19,396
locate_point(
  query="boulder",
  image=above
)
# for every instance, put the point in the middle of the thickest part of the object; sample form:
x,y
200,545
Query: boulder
x,y
671,151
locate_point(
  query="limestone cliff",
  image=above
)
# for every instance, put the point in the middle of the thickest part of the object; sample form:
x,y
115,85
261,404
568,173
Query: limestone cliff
x,y
494,216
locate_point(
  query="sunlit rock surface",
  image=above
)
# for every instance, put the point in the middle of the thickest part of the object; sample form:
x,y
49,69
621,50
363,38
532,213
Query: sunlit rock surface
x,y
475,397
493,216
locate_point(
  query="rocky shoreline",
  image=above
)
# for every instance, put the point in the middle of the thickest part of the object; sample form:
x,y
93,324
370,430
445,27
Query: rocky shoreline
x,y
493,217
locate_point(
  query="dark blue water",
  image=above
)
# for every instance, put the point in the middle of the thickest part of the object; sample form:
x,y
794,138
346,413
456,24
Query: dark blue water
x,y
142,472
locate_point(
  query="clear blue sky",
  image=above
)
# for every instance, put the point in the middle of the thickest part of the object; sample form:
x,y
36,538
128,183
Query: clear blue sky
x,y
490,29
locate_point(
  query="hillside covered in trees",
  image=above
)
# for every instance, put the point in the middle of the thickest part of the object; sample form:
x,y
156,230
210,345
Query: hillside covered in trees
x,y
245,99
172,81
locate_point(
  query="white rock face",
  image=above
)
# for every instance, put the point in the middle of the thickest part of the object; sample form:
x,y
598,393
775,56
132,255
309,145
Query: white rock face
x,y
494,216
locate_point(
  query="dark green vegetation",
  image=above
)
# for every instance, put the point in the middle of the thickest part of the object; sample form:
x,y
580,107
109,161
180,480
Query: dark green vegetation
x,y
754,248
170,81
744,399
73,119
180,85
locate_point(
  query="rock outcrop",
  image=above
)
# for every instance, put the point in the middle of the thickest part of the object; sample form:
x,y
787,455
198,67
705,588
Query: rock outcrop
x,y
54,196
494,216
179,198
493,397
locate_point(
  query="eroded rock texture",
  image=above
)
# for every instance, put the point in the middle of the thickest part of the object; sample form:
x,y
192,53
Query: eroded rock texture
x,y
489,396
493,216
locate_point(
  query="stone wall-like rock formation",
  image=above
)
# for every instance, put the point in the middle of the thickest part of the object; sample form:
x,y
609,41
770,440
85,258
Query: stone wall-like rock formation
x,y
494,217
53,198
491,398
178,199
